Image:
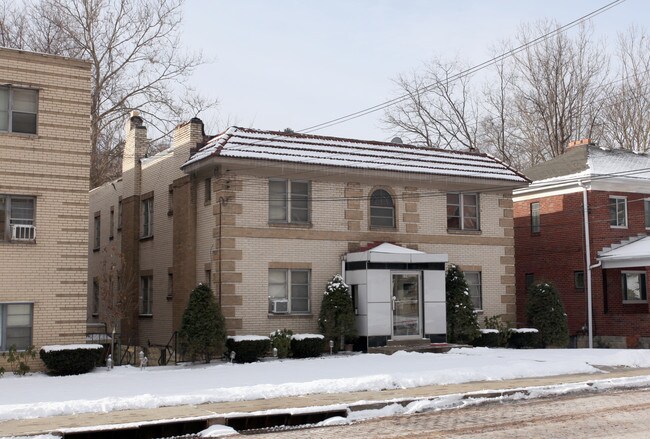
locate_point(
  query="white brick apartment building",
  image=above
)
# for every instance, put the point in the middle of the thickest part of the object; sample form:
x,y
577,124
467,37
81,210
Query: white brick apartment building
x,y
267,218
44,178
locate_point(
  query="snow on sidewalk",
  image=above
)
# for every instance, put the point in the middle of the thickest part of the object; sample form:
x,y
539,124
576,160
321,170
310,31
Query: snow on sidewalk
x,y
39,395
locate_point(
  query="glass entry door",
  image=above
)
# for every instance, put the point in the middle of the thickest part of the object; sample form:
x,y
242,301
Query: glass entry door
x,y
406,305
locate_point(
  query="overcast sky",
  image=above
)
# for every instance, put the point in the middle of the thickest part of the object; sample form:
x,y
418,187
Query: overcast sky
x,y
278,64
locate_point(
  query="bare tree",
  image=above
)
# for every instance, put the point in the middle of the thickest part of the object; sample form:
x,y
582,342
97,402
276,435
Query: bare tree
x,y
137,63
626,118
438,109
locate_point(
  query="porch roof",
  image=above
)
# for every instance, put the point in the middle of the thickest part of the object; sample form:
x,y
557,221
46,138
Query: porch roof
x,y
387,252
634,252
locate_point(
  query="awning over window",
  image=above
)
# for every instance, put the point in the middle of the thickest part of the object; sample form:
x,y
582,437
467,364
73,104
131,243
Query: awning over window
x,y
634,252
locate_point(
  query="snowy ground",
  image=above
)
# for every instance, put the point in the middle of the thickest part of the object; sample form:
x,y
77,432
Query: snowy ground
x,y
39,395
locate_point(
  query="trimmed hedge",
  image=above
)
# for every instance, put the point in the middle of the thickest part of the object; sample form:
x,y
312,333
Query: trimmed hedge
x,y
488,339
70,361
304,346
524,338
248,350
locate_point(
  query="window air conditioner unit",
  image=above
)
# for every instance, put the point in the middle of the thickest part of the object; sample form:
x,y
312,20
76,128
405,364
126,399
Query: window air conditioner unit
x,y
279,306
23,232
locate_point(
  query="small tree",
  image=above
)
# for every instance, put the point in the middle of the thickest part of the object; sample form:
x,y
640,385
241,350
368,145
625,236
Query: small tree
x,y
462,325
203,328
336,319
546,313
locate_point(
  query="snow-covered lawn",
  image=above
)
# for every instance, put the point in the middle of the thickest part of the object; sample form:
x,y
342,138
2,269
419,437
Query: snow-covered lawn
x,y
39,395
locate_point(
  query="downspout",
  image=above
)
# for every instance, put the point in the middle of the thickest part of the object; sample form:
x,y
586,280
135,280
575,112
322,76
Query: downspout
x,y
590,317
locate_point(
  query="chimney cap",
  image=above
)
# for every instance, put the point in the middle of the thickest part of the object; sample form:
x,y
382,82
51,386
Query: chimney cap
x,y
134,113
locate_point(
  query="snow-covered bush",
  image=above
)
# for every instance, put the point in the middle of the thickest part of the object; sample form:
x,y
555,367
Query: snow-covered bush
x,y
203,328
281,340
248,348
524,338
488,338
462,325
546,313
336,320
307,345
71,359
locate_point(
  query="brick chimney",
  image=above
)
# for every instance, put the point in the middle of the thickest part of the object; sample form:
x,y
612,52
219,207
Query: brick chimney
x,y
188,136
135,148
581,142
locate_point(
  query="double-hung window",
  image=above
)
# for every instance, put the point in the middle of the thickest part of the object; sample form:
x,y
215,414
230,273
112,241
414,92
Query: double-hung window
x,y
473,279
646,205
462,211
618,212
634,286
17,215
18,109
16,321
289,291
289,201
97,224
146,295
95,303
147,218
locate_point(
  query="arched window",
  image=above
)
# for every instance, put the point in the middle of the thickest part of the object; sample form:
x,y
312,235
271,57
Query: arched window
x,y
382,209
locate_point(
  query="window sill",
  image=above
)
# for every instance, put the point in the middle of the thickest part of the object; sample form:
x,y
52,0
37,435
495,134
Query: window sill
x,y
382,229
20,241
634,302
617,227
169,297
145,316
95,314
146,238
290,315
464,232
22,135
535,233
95,250
291,225
170,212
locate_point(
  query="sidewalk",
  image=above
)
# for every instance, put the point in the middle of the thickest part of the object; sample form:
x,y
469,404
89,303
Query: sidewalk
x,y
357,400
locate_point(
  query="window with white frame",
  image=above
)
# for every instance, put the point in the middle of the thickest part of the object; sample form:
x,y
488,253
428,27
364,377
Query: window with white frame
x,y
18,109
17,215
146,295
634,286
473,279
98,231
382,209
16,322
618,211
646,205
289,291
289,201
147,218
535,223
462,211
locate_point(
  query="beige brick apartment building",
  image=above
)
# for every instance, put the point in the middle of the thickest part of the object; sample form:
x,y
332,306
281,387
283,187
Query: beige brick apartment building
x,y
44,177
268,217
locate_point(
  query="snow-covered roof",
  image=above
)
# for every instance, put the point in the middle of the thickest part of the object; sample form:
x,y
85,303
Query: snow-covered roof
x,y
246,143
391,253
592,162
634,252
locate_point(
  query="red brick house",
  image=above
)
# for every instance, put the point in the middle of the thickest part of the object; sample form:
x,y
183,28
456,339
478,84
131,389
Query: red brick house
x,y
552,239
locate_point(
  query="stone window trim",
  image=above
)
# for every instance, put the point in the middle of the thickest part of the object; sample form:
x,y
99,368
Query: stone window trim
x,y
627,277
23,329
291,288
618,211
10,119
393,196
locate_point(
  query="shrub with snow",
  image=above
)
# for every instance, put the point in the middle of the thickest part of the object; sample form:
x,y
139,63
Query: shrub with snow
x,y
281,340
248,348
462,325
203,328
307,345
70,359
524,338
546,313
336,320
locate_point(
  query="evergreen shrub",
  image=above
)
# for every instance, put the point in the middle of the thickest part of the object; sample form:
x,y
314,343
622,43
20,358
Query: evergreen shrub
x,y
281,340
248,349
72,360
307,345
546,313
462,325
525,338
203,328
336,320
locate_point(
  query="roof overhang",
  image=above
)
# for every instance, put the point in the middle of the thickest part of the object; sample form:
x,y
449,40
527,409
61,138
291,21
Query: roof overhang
x,y
389,253
633,254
